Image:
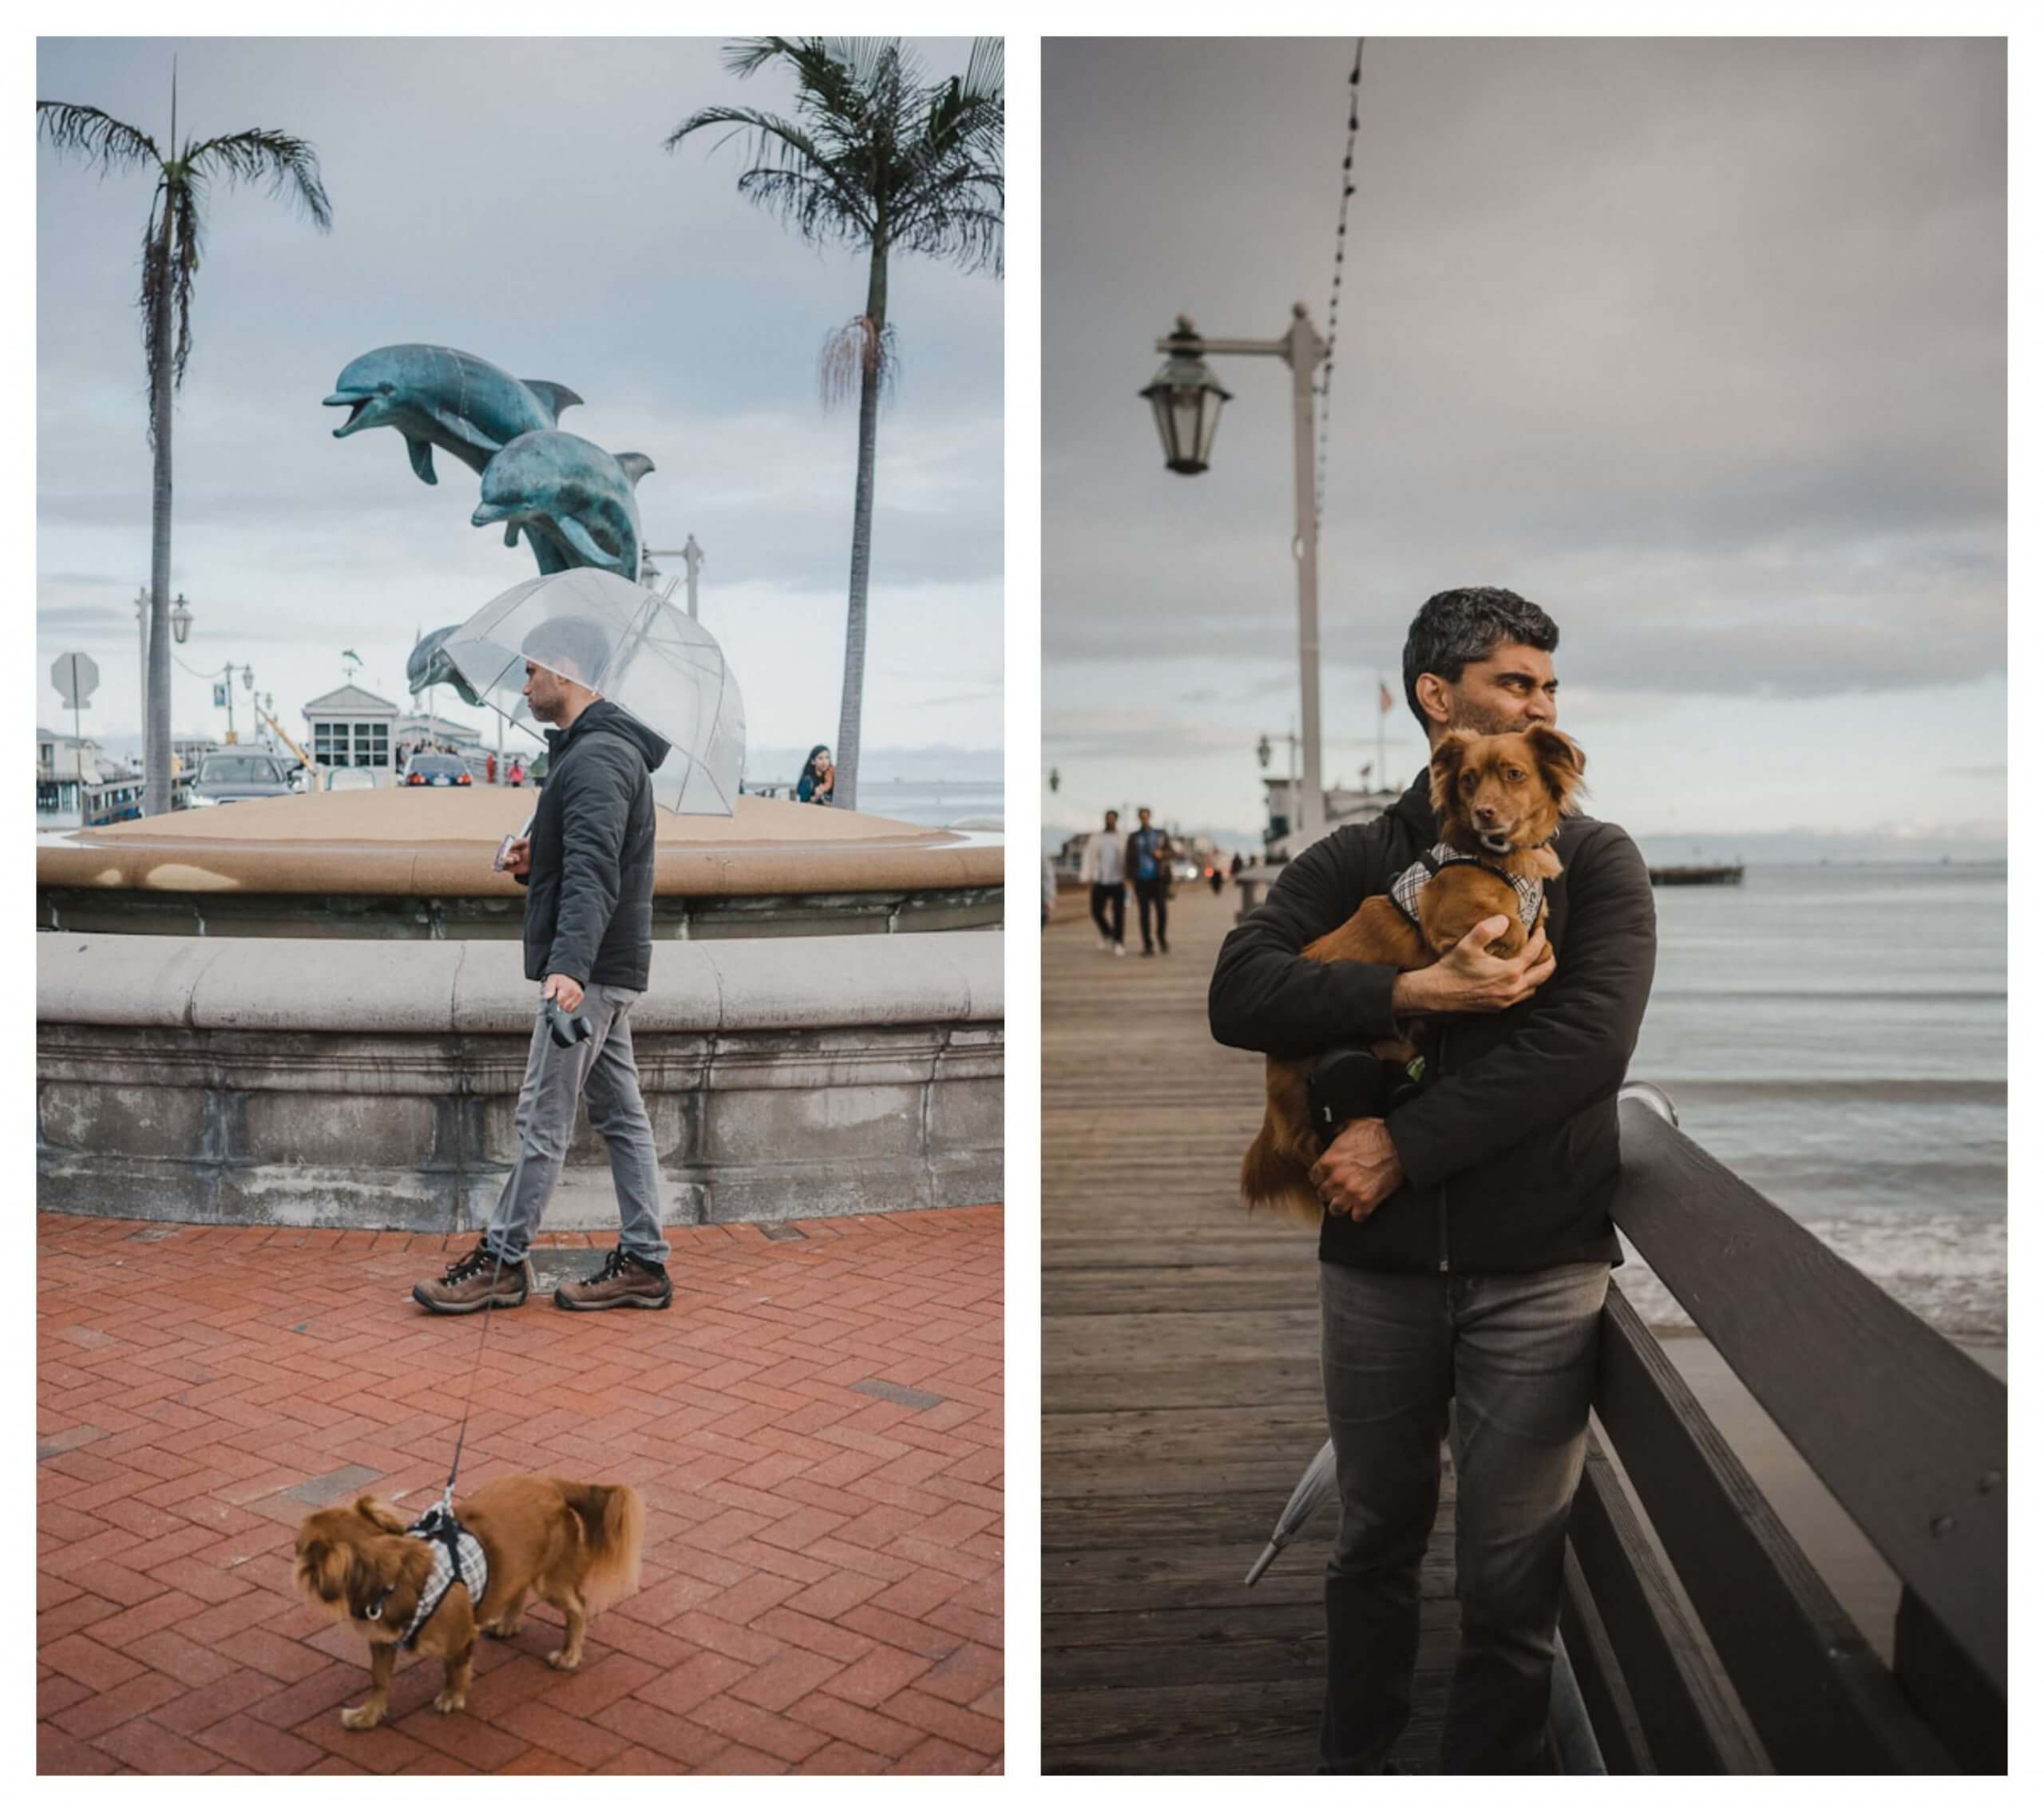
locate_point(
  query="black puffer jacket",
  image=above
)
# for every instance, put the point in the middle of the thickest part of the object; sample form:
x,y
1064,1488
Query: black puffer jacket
x,y
1512,1155
590,911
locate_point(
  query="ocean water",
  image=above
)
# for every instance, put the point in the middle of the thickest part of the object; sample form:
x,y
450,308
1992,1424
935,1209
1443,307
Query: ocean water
x,y
1838,1035
936,802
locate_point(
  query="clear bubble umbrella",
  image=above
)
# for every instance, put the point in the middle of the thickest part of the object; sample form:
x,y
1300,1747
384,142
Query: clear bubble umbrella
x,y
630,645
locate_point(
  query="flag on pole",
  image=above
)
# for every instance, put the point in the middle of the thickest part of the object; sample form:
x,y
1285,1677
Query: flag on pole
x,y
1384,700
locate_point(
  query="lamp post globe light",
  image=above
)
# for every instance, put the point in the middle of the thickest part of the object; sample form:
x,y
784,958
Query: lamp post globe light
x,y
180,620
1185,398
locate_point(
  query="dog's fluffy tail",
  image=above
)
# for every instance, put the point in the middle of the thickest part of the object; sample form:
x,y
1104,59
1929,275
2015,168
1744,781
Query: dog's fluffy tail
x,y
613,1520
1273,1178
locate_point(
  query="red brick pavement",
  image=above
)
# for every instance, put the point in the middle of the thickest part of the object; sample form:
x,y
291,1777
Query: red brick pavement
x,y
822,1590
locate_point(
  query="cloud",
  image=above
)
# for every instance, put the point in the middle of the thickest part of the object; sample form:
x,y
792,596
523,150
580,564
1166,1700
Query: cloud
x,y
508,196
1700,343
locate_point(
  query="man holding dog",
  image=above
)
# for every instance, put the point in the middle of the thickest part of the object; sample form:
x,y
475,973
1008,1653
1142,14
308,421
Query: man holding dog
x,y
1466,1245
588,862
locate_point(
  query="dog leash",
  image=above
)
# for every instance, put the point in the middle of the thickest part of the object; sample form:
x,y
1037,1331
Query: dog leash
x,y
444,1509
446,1503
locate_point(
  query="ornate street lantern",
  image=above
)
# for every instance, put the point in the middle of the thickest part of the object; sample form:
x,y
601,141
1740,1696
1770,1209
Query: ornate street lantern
x,y
1186,398
180,620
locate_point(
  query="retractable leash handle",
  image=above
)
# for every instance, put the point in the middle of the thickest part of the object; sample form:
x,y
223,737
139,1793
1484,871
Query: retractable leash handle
x,y
566,1031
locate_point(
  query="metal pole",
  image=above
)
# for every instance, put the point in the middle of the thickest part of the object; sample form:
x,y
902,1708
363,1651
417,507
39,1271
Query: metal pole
x,y
1304,352
1292,803
693,555
1383,773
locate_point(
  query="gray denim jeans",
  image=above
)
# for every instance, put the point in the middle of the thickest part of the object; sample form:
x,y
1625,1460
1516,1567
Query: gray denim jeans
x,y
1516,1353
600,1067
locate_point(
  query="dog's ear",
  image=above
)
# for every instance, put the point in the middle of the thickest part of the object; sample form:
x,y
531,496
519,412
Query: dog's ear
x,y
1561,761
322,1571
380,1512
1445,766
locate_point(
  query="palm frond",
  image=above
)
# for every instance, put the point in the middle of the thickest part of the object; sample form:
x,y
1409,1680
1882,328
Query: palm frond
x,y
810,204
187,227
852,353
290,166
103,139
156,280
792,175
877,153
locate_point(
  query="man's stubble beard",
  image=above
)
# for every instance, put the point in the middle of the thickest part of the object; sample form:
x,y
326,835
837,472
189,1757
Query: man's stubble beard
x,y
1480,721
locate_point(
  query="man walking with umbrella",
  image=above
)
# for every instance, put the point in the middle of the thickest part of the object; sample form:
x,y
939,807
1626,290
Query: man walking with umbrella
x,y
586,860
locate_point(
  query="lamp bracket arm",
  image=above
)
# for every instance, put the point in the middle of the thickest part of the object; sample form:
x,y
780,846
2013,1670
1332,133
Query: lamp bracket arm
x,y
1275,349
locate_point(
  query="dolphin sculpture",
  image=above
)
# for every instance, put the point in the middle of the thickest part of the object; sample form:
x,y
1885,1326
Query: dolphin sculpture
x,y
436,397
429,666
575,502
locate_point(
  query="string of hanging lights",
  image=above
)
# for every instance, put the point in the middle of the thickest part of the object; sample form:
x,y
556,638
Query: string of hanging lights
x,y
1334,298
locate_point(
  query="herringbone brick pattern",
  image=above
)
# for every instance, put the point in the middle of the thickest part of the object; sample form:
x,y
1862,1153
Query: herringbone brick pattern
x,y
815,1426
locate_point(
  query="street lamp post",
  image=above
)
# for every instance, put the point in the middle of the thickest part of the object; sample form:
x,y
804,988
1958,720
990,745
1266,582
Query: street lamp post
x,y
1186,399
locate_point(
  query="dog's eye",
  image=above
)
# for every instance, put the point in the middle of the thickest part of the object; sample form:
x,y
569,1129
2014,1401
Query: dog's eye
x,y
1468,783
1515,775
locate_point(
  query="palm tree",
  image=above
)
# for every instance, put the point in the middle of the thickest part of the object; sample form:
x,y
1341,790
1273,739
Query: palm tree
x,y
878,158
170,258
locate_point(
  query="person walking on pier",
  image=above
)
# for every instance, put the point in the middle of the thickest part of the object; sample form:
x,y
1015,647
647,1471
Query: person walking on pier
x,y
1466,1245
588,864
1102,867
1148,864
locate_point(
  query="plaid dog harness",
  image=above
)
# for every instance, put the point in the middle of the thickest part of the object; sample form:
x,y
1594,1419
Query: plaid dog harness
x,y
457,1555
1405,890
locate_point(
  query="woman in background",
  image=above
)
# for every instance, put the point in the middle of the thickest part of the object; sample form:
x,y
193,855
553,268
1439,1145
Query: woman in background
x,y
819,778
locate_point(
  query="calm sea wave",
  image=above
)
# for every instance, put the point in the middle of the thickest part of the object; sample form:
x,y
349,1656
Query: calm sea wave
x,y
1838,1035
936,802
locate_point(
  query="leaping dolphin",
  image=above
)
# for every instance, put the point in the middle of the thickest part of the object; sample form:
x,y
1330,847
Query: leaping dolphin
x,y
436,397
575,502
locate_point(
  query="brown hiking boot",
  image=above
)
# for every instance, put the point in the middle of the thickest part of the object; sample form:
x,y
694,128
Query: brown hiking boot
x,y
625,1282
467,1284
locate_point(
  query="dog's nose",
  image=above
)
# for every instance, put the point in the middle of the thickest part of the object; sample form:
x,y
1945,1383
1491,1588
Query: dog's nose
x,y
1486,814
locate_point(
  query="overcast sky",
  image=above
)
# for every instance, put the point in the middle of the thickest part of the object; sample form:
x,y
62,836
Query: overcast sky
x,y
1700,344
510,198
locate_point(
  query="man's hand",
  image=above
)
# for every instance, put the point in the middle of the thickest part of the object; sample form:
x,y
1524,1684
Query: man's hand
x,y
565,989
518,858
1358,1171
1470,979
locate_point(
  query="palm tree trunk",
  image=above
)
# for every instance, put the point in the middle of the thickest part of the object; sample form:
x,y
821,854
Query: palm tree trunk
x,y
156,749
872,375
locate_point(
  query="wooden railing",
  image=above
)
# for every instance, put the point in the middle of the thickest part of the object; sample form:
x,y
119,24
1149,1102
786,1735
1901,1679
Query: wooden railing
x,y
1905,1430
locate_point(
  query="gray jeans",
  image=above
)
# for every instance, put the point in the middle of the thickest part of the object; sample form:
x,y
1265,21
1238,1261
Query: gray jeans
x,y
601,1067
1517,1354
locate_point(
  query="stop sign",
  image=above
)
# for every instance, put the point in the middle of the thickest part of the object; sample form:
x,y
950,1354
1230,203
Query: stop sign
x,y
74,676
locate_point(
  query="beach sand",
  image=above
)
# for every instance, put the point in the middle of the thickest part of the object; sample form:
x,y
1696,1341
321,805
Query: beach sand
x,y
1846,1560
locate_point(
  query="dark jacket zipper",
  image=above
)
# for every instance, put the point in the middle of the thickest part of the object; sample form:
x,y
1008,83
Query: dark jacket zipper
x,y
1441,1069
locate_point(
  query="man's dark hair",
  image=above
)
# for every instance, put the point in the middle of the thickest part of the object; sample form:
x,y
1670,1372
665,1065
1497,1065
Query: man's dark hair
x,y
1454,628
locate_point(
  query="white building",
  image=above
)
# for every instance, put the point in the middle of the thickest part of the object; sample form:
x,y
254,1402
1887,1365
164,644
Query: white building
x,y
352,728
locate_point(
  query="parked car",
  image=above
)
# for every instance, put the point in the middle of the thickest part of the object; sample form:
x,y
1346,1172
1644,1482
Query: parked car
x,y
438,770
351,780
235,774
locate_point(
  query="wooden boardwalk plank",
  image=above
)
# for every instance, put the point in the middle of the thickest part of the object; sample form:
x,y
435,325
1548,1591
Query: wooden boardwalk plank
x,y
1181,1391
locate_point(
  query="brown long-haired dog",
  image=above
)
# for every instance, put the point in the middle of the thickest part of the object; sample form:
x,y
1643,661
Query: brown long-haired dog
x,y
1500,799
574,1546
